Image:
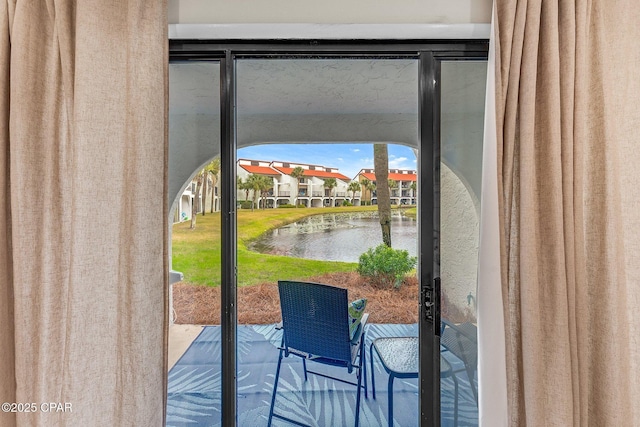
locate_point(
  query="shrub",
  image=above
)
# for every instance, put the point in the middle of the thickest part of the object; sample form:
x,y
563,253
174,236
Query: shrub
x,y
346,203
286,206
246,204
386,266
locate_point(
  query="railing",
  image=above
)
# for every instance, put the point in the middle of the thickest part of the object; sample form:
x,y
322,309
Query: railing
x,y
284,193
317,194
341,194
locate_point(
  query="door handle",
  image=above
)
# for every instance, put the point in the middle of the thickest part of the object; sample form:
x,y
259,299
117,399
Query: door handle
x,y
431,301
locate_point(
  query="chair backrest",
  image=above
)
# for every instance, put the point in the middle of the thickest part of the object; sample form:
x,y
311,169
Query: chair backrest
x,y
462,341
315,319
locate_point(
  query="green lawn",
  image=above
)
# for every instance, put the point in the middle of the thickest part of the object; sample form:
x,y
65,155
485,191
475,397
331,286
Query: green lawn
x,y
196,253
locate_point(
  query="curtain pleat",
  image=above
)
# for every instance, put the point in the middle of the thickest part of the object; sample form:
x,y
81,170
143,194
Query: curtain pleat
x,y
7,348
563,79
84,212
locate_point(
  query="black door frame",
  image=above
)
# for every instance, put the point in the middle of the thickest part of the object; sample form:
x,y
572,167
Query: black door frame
x,y
429,53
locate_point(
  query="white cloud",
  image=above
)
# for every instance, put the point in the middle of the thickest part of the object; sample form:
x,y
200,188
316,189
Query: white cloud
x,y
397,162
355,150
366,161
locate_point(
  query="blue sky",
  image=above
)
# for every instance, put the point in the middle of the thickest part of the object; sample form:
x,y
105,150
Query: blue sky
x,y
349,158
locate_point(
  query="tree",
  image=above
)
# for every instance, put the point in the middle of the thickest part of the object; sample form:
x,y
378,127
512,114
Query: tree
x,y
381,166
393,184
296,174
368,185
195,206
265,183
364,182
353,187
213,169
253,183
244,186
330,183
413,187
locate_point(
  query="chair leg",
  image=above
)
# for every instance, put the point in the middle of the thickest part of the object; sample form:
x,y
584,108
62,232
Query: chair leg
x,y
373,372
358,399
275,387
363,363
304,367
455,401
471,376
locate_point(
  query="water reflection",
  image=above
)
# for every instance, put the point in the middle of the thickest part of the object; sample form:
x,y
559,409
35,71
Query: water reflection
x,y
337,237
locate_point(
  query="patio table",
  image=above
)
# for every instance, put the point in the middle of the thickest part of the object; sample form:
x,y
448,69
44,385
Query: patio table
x,y
399,357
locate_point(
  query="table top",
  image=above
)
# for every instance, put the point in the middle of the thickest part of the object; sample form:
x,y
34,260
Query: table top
x,y
400,355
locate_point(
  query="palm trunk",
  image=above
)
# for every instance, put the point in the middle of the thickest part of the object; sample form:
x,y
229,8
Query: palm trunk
x,y
205,179
193,214
381,165
213,194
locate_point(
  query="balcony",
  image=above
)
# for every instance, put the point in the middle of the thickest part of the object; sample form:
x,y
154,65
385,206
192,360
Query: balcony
x,y
194,384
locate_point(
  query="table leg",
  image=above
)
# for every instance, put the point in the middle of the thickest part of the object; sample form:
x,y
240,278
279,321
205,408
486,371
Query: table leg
x,y
373,373
390,390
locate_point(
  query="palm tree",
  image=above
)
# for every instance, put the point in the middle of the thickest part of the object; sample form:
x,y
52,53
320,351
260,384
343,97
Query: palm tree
x,y
265,183
296,174
368,185
195,206
353,187
330,183
393,184
413,187
213,169
244,186
381,166
253,183
364,182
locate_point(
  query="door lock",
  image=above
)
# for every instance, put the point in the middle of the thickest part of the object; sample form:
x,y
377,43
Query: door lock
x,y
431,302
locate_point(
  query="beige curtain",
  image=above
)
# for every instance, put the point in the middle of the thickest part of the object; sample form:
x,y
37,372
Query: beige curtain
x,y
569,189
83,216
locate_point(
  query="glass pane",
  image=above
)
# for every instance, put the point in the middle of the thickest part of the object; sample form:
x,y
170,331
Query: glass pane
x,y
307,128
194,146
462,125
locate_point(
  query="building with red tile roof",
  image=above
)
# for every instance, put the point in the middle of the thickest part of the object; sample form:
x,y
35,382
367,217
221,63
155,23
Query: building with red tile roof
x,y
309,190
405,187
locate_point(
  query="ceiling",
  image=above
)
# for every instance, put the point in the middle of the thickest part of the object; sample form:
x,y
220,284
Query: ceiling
x,y
300,100
323,100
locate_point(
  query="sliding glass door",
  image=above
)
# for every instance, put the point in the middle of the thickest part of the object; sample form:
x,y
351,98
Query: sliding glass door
x,y
195,339
308,202
302,185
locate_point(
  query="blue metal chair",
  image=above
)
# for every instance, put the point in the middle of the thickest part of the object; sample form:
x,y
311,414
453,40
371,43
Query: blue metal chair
x,y
462,341
315,324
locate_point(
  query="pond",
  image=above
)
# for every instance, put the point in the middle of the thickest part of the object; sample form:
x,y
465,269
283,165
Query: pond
x,y
337,237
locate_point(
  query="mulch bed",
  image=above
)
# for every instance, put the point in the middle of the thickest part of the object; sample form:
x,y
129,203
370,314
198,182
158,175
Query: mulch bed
x,y
259,304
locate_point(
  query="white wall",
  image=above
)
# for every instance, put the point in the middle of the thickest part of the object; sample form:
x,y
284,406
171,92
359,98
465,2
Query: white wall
x,y
329,11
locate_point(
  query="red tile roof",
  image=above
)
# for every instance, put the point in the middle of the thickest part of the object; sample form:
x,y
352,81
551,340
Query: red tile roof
x,y
393,176
403,176
262,170
317,173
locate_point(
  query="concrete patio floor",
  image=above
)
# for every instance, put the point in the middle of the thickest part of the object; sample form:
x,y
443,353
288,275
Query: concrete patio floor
x,y
180,338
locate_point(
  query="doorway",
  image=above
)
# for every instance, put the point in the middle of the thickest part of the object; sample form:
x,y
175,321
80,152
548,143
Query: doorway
x,y
250,119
